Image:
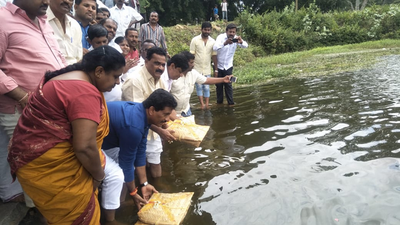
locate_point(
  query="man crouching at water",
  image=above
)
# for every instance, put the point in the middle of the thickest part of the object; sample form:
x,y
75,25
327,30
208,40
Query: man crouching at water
x,y
129,126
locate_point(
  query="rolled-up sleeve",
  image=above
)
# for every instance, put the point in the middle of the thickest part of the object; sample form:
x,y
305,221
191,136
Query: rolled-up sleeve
x,y
7,83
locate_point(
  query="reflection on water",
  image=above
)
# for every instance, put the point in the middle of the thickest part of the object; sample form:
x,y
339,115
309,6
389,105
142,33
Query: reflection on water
x,y
315,151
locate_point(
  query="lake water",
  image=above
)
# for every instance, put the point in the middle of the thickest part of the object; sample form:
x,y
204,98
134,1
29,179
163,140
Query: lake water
x,y
315,151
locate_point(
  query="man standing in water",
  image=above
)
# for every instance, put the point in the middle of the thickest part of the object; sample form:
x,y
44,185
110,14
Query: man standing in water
x,y
226,45
202,47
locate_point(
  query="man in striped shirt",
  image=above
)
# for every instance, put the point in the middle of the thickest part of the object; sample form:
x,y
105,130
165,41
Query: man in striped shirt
x,y
153,31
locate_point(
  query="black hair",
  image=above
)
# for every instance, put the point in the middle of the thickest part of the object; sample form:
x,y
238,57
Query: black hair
x,y
206,25
130,28
118,40
147,41
188,55
104,56
103,21
104,10
78,2
157,51
160,99
231,26
179,60
96,30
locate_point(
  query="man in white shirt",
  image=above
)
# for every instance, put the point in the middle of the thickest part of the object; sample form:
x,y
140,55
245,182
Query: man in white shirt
x,y
182,88
67,30
176,66
224,9
125,16
226,45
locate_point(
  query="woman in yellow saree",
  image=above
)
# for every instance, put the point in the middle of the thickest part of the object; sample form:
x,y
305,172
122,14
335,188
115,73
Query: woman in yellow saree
x,y
56,147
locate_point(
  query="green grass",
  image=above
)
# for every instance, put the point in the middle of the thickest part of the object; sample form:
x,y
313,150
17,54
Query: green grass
x,y
315,62
253,66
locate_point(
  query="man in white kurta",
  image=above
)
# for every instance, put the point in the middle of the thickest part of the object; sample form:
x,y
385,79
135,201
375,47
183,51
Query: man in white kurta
x,y
67,31
125,16
182,88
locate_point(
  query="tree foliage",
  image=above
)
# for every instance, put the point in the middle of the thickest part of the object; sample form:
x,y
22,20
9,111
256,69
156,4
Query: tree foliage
x,y
173,12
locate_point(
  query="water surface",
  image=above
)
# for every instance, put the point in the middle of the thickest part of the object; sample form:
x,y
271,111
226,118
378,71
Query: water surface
x,y
315,151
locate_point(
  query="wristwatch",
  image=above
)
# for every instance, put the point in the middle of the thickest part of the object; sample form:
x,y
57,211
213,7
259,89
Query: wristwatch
x,y
144,184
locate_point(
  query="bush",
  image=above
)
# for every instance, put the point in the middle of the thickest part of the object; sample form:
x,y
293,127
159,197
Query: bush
x,y
288,31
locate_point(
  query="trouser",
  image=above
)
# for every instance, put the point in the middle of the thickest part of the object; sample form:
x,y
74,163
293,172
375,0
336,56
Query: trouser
x,y
112,184
8,188
225,15
186,114
153,150
227,86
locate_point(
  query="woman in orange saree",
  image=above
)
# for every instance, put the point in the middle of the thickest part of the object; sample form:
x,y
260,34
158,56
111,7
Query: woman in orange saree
x,y
56,147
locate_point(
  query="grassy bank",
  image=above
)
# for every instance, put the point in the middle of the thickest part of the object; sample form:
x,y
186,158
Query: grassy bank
x,y
253,66
315,62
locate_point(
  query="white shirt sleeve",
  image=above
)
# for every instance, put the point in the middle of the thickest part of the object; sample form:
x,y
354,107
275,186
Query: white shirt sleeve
x,y
219,43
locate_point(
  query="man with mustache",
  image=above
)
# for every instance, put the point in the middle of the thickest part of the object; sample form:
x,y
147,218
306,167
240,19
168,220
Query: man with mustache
x,y
136,89
66,30
28,49
153,31
226,45
125,16
85,11
129,126
202,47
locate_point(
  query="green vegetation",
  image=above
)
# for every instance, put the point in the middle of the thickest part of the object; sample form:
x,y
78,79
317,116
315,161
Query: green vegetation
x,y
304,43
318,61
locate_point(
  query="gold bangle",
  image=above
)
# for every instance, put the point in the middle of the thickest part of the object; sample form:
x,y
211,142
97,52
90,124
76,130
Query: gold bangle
x,y
26,95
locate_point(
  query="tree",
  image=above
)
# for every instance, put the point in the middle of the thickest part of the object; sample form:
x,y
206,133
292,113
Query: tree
x,y
357,4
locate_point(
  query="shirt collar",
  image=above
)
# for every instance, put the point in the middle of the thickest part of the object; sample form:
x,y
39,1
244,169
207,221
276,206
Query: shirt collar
x,y
15,9
148,75
51,16
122,8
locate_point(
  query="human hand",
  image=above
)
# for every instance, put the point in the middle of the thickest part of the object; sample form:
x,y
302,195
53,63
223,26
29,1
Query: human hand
x,y
228,41
96,184
215,73
85,51
139,201
240,40
166,135
227,78
24,100
147,191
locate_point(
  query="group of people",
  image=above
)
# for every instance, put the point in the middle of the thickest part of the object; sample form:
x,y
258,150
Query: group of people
x,y
224,9
75,116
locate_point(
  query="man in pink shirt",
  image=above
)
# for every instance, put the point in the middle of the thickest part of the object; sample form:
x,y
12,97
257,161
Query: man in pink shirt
x,y
27,50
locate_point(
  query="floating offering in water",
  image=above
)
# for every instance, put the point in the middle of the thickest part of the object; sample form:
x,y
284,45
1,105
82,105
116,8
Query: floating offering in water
x,y
165,209
186,130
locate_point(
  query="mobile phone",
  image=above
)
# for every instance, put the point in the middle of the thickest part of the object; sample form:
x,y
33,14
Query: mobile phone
x,y
235,40
233,79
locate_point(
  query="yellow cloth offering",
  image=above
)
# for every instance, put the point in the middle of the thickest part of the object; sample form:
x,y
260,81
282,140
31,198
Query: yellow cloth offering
x,y
165,209
186,130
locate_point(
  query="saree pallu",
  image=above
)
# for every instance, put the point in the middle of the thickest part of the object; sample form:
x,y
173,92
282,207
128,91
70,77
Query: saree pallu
x,y
60,186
